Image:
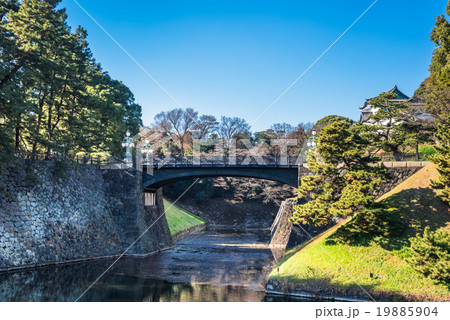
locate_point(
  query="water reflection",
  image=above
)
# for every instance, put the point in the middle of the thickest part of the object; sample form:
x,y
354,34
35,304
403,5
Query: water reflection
x,y
206,267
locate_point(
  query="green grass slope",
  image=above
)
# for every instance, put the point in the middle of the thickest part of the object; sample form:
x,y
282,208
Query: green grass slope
x,y
331,268
180,219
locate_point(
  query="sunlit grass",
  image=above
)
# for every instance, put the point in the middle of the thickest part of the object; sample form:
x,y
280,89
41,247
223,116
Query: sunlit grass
x,y
326,267
180,219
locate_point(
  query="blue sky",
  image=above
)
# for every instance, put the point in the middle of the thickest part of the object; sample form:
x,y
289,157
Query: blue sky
x,y
235,58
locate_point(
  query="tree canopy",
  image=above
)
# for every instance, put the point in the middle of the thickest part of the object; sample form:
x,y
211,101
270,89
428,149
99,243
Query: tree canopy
x,y
436,91
325,121
54,96
344,175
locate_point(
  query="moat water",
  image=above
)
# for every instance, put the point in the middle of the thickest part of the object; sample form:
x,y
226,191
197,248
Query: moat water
x,y
210,266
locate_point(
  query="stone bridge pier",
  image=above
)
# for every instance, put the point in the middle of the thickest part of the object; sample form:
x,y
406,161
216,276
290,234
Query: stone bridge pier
x,y
138,214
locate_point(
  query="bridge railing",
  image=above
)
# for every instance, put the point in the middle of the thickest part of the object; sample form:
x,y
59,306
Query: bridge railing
x,y
205,161
78,159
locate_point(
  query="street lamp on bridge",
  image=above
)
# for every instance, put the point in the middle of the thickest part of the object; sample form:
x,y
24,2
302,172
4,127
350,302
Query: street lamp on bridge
x,y
308,146
128,143
147,149
311,143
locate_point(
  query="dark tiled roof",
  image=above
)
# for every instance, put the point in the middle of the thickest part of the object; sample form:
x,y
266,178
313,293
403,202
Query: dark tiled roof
x,y
400,95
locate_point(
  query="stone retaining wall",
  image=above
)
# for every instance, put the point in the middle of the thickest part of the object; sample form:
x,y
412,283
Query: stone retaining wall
x,y
71,214
288,235
399,171
191,230
282,231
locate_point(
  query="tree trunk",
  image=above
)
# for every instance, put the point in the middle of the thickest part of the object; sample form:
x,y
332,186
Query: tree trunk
x,y
182,146
38,126
18,122
397,155
49,129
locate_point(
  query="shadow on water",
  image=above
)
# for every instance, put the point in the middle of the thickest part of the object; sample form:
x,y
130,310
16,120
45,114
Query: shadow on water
x,y
204,267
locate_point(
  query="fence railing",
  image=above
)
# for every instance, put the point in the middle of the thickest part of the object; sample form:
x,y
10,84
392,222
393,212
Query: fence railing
x,y
78,159
403,157
238,161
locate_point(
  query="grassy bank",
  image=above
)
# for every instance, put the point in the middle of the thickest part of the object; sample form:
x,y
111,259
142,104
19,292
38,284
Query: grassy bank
x,y
329,267
180,219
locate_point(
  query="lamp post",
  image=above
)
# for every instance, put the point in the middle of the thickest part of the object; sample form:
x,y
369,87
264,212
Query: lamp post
x,y
128,143
309,146
147,150
311,143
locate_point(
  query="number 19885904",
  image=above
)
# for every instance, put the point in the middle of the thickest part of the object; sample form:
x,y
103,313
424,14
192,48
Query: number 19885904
x,y
406,311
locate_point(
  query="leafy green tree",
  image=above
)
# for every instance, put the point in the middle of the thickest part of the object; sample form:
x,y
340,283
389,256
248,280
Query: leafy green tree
x,y
54,97
325,121
442,159
436,91
389,126
417,133
264,139
344,175
430,254
436,87
11,96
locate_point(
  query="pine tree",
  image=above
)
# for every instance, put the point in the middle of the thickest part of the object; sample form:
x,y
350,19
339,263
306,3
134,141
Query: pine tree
x,y
436,92
344,175
388,118
54,97
442,159
430,254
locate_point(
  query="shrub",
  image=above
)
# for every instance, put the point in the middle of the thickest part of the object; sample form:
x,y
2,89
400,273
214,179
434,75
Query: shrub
x,y
60,169
430,254
32,175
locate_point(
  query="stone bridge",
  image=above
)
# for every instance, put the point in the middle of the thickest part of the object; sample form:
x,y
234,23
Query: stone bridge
x,y
156,176
159,173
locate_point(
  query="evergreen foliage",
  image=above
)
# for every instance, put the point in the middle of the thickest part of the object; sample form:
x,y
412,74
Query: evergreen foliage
x,y
442,159
345,175
436,88
397,125
436,91
430,254
325,121
370,224
54,97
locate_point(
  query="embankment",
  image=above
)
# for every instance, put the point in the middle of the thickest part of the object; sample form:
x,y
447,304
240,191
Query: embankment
x,y
52,213
181,222
371,265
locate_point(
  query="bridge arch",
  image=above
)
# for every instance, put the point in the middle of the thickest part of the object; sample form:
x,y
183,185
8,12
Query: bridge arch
x,y
161,177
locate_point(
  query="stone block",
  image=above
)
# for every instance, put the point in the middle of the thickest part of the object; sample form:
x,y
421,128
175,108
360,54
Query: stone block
x,y
414,164
399,164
